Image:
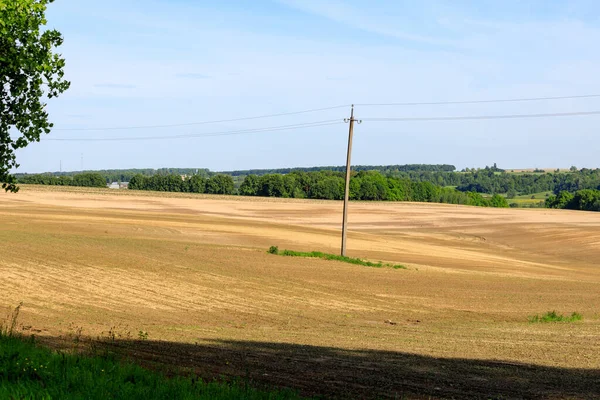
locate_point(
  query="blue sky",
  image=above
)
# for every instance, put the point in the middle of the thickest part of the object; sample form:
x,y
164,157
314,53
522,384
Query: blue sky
x,y
153,62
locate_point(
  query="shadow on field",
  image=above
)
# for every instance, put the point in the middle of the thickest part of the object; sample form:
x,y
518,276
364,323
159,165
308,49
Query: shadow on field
x,y
337,373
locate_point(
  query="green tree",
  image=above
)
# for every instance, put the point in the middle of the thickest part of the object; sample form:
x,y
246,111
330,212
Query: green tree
x,y
298,193
424,191
90,179
174,183
30,71
271,185
498,201
220,184
562,200
289,186
586,200
399,189
249,186
304,181
196,184
476,199
452,196
137,182
355,183
328,188
373,186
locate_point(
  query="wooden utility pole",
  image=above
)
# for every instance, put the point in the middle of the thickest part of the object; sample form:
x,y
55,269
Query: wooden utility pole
x,y
347,187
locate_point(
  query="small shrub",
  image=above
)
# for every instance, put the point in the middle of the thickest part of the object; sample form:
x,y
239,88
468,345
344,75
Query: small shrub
x,y
326,256
553,316
576,317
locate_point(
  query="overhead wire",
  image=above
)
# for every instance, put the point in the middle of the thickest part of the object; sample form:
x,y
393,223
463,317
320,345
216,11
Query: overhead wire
x,y
174,125
481,117
218,121
208,134
327,122
434,103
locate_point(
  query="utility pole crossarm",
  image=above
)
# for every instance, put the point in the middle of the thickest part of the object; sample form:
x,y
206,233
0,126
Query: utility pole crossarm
x,y
347,186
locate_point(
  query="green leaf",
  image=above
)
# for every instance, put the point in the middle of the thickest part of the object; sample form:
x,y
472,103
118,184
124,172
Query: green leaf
x,y
28,65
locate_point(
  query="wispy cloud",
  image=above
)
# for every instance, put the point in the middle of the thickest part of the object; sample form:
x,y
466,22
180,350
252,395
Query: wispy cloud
x,y
344,13
114,86
192,75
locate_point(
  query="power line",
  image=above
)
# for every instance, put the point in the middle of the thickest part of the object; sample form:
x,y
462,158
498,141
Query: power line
x,y
198,135
323,109
326,123
435,103
483,117
202,122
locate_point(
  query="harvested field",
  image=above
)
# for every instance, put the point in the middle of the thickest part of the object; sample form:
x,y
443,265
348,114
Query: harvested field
x,y
193,272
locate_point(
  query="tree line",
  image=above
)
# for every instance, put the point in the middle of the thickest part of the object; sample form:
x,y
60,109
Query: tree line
x,y
585,200
322,185
489,180
329,184
86,179
125,175
384,169
217,184
364,185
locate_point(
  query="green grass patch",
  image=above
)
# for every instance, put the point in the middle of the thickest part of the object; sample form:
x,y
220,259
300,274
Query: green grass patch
x,y
535,200
531,198
334,257
553,316
28,371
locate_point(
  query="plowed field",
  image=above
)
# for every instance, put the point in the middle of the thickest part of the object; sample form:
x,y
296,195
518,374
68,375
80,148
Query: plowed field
x,y
193,272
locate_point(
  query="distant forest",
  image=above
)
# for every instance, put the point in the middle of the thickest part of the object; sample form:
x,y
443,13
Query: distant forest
x,y
384,169
324,182
323,185
125,175
86,179
217,184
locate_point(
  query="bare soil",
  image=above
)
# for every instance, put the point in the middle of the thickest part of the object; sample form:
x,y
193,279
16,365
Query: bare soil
x,y
193,272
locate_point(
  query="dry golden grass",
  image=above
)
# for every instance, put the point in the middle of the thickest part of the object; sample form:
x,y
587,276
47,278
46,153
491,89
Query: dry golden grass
x,y
194,269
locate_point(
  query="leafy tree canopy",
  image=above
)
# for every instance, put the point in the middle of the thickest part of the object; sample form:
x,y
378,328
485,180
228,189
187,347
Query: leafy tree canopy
x,y
30,71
